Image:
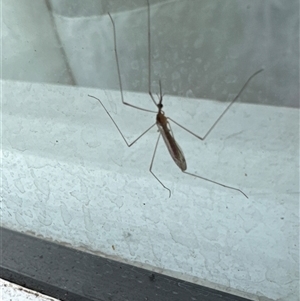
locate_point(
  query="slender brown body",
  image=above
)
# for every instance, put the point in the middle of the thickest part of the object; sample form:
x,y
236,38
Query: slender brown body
x,y
167,134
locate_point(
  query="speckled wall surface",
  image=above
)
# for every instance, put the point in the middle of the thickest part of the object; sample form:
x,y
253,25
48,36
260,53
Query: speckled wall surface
x,y
10,291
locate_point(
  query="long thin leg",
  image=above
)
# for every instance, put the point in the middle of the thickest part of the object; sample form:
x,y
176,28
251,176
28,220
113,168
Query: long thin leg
x,y
118,67
149,54
128,144
206,179
227,108
150,169
214,182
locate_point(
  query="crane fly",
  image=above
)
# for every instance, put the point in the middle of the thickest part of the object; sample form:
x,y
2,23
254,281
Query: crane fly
x,y
163,122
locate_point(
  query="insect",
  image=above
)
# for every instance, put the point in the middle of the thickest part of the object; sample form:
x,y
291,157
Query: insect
x,y
162,121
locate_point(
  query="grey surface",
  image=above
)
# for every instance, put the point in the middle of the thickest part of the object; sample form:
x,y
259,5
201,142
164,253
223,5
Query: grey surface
x,y
72,275
78,8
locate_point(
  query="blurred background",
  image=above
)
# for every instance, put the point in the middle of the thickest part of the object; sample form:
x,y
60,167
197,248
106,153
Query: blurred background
x,y
199,49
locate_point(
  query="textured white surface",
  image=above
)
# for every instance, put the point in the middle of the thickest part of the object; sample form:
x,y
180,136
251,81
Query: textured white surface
x,y
13,292
68,176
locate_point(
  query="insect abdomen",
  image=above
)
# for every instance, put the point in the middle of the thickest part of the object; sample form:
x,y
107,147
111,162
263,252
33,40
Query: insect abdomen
x,y
173,148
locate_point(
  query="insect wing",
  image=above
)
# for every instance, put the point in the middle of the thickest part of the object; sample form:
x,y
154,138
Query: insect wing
x,y
173,148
